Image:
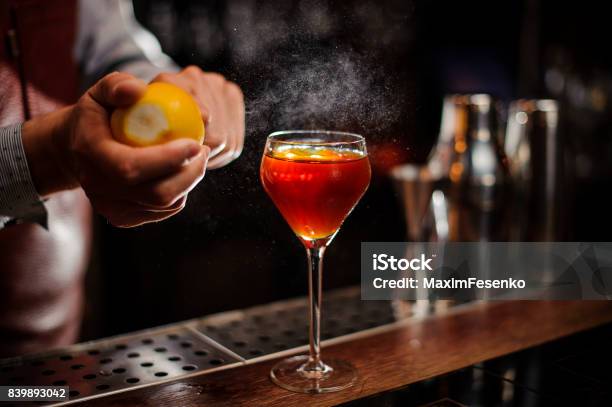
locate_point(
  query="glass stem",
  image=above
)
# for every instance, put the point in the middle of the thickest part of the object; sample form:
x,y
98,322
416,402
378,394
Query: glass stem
x,y
315,270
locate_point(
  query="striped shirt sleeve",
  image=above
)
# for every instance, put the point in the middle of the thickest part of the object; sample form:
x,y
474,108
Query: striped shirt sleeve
x,y
19,200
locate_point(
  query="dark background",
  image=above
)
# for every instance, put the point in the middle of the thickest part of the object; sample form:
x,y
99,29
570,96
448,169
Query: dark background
x,y
379,68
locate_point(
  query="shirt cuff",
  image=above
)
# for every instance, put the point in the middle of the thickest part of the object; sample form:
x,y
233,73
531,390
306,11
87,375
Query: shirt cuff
x,y
19,201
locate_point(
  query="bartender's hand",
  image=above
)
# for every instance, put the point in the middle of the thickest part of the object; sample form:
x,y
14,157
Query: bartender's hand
x,y
222,106
130,186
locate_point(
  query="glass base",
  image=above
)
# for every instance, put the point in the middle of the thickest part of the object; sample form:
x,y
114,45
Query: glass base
x,y
290,374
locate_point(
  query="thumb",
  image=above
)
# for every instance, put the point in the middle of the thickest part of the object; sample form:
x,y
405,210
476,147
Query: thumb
x,y
117,89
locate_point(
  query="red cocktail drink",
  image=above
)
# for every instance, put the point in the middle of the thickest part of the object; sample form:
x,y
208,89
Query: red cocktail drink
x,y
315,188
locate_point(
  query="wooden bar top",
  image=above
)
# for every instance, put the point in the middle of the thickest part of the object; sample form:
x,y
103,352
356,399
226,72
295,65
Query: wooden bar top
x,y
414,351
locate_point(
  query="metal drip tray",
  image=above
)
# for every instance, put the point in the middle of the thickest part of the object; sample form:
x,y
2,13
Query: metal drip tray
x,y
218,341
281,326
117,363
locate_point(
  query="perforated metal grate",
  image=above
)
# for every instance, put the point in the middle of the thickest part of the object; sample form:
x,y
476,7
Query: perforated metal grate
x,y
280,326
218,341
117,363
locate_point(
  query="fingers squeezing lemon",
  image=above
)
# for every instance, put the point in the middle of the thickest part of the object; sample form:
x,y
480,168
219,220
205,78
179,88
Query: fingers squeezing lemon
x,y
164,113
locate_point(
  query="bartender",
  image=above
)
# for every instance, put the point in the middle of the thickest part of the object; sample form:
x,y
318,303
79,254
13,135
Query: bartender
x,y
58,159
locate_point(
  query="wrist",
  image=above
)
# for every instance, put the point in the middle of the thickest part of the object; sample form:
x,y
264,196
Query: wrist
x,y
44,140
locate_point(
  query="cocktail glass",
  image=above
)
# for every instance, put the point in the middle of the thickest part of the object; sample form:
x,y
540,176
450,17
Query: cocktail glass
x,y
315,179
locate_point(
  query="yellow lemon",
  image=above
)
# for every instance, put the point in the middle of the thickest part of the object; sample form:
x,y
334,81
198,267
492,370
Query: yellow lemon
x,y
165,112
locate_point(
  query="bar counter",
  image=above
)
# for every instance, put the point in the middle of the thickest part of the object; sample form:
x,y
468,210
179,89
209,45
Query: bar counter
x,y
388,357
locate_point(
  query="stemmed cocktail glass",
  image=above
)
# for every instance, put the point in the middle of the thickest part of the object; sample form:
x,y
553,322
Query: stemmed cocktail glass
x,y
315,179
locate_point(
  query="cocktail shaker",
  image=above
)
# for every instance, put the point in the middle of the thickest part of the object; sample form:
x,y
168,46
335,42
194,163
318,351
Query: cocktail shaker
x,y
470,159
452,126
534,153
467,172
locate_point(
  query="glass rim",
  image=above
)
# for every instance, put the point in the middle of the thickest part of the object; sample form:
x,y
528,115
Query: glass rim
x,y
274,137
